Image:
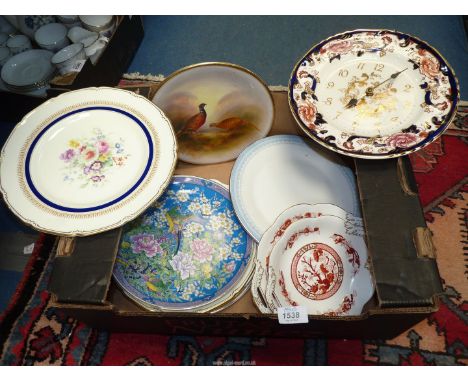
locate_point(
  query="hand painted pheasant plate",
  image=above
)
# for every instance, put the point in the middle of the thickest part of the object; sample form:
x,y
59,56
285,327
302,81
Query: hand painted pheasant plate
x,y
316,264
187,252
217,109
87,161
373,93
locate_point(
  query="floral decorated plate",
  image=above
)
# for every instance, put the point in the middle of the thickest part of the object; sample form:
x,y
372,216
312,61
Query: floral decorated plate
x,y
217,109
280,171
316,264
87,161
353,226
187,252
373,93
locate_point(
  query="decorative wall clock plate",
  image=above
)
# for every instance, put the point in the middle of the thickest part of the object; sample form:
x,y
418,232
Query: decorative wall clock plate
x,y
373,93
318,265
87,161
217,109
187,252
280,171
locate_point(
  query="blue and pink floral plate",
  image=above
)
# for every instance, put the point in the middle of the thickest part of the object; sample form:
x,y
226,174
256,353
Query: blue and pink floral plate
x,y
187,252
373,94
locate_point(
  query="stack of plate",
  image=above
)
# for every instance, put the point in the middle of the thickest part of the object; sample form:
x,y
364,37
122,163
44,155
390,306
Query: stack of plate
x,y
187,252
293,199
28,71
313,256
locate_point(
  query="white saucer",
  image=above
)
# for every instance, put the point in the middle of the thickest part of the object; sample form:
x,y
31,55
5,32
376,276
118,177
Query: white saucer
x,y
28,68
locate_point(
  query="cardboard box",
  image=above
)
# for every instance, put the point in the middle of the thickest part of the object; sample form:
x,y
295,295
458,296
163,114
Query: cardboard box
x,y
400,247
108,70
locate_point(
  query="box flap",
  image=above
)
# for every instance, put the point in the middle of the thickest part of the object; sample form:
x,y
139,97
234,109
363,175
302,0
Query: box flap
x,y
399,242
83,268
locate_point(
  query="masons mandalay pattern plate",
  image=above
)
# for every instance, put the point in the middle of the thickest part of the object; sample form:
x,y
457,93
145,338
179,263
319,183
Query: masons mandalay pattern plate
x,y
373,93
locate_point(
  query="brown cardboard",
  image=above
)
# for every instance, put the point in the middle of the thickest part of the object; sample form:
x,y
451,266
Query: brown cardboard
x,y
407,279
108,71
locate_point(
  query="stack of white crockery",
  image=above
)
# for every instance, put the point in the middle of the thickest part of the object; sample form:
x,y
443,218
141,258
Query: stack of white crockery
x,y
313,255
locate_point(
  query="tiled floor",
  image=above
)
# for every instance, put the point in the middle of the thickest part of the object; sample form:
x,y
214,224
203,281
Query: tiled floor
x,y
267,45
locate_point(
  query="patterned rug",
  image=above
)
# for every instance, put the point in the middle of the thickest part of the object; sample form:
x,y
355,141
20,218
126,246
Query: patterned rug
x,y
34,333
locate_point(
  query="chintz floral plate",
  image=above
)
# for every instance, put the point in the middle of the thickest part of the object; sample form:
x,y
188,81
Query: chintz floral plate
x,y
217,109
373,93
280,171
318,265
187,252
87,161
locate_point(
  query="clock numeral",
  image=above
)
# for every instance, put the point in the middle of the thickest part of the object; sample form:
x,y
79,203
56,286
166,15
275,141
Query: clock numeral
x,y
361,66
379,67
408,87
330,84
329,101
343,73
338,113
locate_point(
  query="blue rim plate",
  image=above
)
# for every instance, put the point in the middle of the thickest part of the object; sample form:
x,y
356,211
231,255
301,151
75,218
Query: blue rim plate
x,y
280,171
87,161
187,252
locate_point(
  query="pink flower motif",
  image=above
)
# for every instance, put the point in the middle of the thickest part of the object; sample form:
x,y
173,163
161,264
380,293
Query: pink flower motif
x,y
202,250
229,267
339,47
102,147
96,166
67,155
387,40
97,178
182,263
402,140
145,242
307,112
429,66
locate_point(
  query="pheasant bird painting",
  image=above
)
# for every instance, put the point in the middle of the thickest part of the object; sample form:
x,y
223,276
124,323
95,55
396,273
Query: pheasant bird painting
x,y
195,122
232,123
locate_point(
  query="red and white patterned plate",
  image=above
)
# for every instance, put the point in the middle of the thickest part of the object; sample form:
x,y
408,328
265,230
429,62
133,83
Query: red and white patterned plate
x,y
318,265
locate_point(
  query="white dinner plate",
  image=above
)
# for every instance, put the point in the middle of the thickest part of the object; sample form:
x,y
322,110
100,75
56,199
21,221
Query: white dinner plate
x,y
278,172
87,161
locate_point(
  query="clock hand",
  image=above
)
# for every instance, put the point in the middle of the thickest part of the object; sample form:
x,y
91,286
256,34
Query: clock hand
x,y
370,90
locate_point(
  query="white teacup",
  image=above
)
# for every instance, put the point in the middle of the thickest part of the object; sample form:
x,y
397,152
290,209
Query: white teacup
x,y
78,34
104,25
18,44
94,46
70,21
52,37
5,54
66,58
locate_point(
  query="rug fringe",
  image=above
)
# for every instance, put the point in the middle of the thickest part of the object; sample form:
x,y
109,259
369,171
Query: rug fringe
x,y
137,76
143,77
